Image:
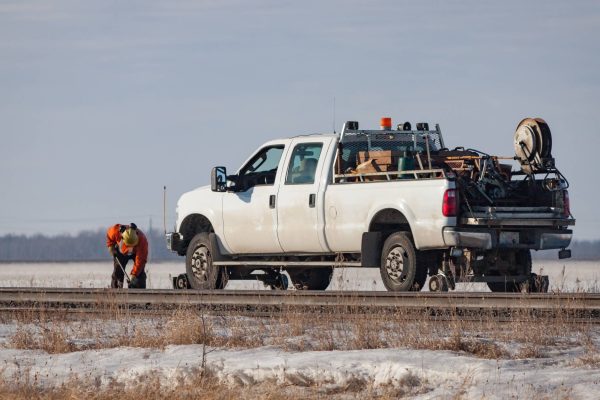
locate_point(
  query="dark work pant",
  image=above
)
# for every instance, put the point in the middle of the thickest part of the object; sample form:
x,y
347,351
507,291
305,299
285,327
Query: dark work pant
x,y
118,276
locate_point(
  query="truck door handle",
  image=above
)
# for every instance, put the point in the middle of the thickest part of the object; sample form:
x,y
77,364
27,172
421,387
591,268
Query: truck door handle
x,y
311,200
272,201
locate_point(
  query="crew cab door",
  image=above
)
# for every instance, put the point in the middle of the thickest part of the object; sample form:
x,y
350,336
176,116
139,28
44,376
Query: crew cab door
x,y
249,213
299,201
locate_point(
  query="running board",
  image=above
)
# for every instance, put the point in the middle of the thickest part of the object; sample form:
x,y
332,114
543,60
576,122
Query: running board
x,y
288,264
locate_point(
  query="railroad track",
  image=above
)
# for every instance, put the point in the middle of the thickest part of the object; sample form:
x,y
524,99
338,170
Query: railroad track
x,y
471,305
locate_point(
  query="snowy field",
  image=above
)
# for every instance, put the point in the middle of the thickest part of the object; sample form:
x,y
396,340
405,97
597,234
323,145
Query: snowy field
x,y
424,374
565,366
564,276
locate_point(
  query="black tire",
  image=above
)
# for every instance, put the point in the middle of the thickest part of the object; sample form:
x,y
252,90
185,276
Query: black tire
x,y
201,272
523,261
310,278
400,270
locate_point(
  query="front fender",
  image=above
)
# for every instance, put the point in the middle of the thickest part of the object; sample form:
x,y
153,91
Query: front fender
x,y
201,202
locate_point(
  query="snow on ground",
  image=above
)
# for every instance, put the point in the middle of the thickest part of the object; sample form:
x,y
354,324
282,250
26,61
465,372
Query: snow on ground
x,y
564,276
438,374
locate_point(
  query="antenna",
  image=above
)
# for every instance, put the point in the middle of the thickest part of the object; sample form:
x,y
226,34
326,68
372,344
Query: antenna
x,y
334,114
165,208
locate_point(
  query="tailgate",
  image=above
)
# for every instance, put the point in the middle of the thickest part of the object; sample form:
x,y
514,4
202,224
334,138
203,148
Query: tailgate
x,y
516,216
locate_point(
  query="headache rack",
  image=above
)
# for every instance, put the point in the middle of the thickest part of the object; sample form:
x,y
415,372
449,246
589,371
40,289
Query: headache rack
x,y
385,155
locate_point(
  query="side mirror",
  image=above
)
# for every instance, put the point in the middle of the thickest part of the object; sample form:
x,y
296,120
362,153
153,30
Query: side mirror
x,y
218,179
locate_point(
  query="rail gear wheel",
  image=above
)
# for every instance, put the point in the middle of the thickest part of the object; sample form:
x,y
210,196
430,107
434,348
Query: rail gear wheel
x,y
201,272
181,282
399,269
311,278
130,237
438,283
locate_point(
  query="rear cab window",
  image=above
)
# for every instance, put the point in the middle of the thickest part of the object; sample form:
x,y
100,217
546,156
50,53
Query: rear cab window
x,y
303,164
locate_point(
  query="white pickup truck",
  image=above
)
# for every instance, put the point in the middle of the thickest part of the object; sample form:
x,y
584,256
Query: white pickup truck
x,y
393,199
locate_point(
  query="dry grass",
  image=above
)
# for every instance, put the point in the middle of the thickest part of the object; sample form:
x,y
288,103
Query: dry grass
x,y
50,338
206,387
520,335
591,353
523,335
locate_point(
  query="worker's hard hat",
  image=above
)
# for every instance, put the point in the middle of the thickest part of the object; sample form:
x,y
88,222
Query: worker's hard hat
x,y
130,237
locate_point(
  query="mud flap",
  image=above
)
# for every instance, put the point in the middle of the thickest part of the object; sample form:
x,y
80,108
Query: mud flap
x,y
371,247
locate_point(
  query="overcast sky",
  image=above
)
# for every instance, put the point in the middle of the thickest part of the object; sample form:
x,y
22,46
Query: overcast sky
x,y
104,102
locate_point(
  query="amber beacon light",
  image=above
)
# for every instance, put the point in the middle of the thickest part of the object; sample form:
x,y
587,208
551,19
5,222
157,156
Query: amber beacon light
x,y
386,123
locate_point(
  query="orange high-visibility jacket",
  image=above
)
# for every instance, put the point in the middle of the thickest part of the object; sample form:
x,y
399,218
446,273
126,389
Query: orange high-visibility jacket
x,y
113,238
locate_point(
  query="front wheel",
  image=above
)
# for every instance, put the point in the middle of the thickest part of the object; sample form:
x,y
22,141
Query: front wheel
x,y
399,269
201,272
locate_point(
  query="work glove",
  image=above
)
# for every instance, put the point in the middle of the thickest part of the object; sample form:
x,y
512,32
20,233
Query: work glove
x,y
135,282
113,250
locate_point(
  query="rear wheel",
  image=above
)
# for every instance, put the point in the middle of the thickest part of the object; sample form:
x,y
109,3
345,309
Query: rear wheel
x,y
201,272
400,269
310,278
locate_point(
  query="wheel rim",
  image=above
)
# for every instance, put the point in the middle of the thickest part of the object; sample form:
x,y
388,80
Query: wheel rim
x,y
433,284
200,263
394,264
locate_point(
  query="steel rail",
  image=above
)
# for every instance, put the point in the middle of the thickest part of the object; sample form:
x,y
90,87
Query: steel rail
x,y
464,302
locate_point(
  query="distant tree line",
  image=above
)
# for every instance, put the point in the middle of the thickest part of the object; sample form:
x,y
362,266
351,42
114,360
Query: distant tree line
x,y
91,246
85,246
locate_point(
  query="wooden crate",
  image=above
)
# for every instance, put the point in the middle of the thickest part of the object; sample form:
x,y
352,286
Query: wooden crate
x,y
382,157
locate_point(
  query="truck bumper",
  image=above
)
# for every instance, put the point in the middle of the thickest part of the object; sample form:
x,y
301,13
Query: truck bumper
x,y
174,241
486,239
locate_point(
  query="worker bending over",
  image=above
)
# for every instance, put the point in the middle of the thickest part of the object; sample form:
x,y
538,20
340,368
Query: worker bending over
x,y
133,246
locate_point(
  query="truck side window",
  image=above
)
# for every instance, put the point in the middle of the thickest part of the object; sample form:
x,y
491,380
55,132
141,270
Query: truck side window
x,y
262,168
303,163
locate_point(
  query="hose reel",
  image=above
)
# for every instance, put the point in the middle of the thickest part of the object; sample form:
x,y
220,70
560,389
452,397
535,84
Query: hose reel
x,y
533,145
